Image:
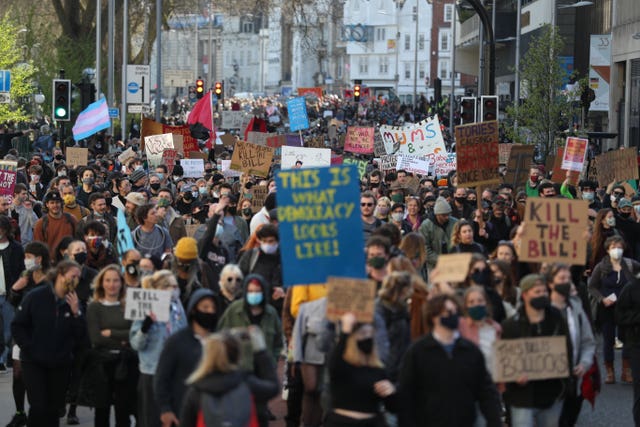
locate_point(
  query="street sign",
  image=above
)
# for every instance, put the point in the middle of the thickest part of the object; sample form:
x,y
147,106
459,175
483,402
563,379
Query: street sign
x,y
5,81
177,78
134,109
114,113
138,84
5,98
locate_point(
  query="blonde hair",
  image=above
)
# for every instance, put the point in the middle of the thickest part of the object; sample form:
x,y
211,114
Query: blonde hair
x,y
353,356
98,290
215,357
394,285
161,279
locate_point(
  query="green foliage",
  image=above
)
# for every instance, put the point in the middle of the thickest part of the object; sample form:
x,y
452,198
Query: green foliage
x,y
545,110
22,72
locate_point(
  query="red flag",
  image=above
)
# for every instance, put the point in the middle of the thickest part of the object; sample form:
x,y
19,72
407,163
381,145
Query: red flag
x,y
202,113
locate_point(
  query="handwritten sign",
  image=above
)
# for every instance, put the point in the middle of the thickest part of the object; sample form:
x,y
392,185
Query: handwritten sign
x,y
228,140
309,157
155,146
388,162
8,178
251,158
298,118
227,172
350,296
259,138
554,231
442,164
538,358
141,302
193,168
359,140
477,151
259,194
169,159
520,160
414,164
575,152
505,150
617,165
416,139
360,164
77,156
378,145
452,268
320,224
126,155
232,119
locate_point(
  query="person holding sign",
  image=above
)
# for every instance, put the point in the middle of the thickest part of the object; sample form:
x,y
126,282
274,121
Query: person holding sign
x,y
536,402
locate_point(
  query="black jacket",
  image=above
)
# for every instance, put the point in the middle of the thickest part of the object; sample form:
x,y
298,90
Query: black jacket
x,y
441,391
397,321
628,313
45,329
13,264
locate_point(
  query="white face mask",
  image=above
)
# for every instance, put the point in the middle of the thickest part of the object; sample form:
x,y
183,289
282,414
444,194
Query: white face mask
x,y
615,253
397,216
268,248
30,264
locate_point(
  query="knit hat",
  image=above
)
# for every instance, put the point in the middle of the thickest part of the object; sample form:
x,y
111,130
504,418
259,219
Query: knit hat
x,y
531,280
441,207
137,175
187,248
136,198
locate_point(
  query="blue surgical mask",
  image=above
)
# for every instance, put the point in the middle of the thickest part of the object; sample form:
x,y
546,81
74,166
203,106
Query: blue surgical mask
x,y
160,175
254,298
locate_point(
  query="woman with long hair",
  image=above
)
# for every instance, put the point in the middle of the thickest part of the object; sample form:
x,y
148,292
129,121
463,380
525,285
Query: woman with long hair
x,y
414,246
109,334
219,392
505,285
604,227
462,239
480,274
413,213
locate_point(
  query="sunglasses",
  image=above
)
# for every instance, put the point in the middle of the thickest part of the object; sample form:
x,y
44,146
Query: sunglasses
x,y
366,204
618,194
231,279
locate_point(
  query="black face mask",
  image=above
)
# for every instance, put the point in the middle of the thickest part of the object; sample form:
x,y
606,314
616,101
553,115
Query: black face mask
x,y
365,345
481,277
80,257
246,211
625,215
155,186
232,210
461,200
374,184
563,289
209,321
188,196
540,303
451,321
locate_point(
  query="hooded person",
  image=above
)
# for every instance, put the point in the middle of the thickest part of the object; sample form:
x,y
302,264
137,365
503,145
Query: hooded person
x,y
182,353
191,272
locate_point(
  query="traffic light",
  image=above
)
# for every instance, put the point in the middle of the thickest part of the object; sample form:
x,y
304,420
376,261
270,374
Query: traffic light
x,y
199,88
488,108
357,90
468,110
218,89
437,89
61,104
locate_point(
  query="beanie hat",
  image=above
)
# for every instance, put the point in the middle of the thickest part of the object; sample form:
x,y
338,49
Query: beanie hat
x,y
441,207
187,248
137,175
531,280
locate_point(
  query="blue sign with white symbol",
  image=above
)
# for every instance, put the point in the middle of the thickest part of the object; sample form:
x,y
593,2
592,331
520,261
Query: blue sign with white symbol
x,y
133,87
298,118
114,113
5,81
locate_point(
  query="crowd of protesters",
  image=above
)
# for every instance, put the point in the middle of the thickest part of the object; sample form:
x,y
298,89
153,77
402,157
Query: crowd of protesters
x,y
425,360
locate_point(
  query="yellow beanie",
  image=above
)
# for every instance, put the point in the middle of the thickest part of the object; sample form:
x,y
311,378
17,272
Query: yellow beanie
x,y
187,248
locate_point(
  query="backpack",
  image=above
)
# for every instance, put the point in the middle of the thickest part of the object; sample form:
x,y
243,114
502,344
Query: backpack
x,y
231,409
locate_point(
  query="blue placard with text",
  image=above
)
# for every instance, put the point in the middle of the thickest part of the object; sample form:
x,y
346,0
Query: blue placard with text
x,y
298,118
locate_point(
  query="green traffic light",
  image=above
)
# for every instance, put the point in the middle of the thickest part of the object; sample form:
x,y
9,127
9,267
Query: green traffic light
x,y
61,112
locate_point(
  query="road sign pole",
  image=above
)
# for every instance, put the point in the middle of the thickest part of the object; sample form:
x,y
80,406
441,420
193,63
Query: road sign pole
x,y
125,61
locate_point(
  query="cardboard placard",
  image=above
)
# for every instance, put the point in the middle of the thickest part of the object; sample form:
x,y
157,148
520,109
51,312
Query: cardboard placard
x,y
232,119
575,152
415,139
169,159
378,145
536,358
477,151
155,146
193,168
198,155
520,161
8,178
388,162
178,144
452,268
141,302
359,140
127,155
298,118
259,138
150,127
505,150
226,170
617,165
310,157
414,164
355,296
320,224
251,158
77,156
559,174
228,140
259,194
554,231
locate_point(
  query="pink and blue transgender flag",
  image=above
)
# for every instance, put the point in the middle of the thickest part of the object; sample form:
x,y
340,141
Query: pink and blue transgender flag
x,y
92,120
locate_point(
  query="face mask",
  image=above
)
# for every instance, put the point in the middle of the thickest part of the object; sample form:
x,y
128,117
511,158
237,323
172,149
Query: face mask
x,y
247,211
187,196
175,294
160,175
62,173
397,198
208,321
31,264
88,181
477,312
35,178
588,196
94,242
461,200
69,199
481,277
80,257
254,298
176,178
195,194
540,303
139,167
563,289
269,248
202,190
397,216
383,210
451,321
216,194
611,221
533,178
58,157
377,262
155,186
374,184
365,345
615,253
625,215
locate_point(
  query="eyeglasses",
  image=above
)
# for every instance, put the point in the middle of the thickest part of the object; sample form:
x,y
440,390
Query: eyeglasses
x,y
618,194
231,279
366,204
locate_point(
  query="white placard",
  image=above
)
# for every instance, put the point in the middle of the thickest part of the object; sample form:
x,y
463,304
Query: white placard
x,y
155,145
193,168
226,170
414,164
232,119
310,157
141,302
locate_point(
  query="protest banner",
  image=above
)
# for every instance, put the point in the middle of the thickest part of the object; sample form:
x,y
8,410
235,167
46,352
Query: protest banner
x,y
378,145
298,118
477,154
126,156
228,140
251,158
319,222
519,164
310,157
317,91
169,159
617,165
452,268
559,175
227,172
537,358
77,156
259,138
360,164
150,127
417,139
232,119
575,152
505,150
442,164
276,141
315,142
413,164
258,195
199,155
155,145
193,168
355,296
8,179
554,231
293,140
388,162
359,140
178,144
141,302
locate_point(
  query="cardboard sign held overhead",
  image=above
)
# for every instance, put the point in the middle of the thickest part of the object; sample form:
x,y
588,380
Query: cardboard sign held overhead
x,y
520,161
193,168
251,158
77,156
169,160
575,152
298,118
505,150
141,302
259,138
359,140
309,157
537,358
155,146
228,140
617,165
554,231
559,174
477,151
355,296
8,178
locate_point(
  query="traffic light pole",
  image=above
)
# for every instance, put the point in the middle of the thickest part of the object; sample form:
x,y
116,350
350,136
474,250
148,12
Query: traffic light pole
x,y
489,36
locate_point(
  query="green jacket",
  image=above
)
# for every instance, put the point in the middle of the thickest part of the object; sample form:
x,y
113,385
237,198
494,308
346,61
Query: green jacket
x,y
437,237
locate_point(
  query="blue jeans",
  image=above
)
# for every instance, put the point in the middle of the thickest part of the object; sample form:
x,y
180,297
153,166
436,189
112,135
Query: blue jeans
x,y
7,312
530,417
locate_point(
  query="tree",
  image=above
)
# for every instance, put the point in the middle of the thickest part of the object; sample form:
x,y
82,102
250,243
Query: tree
x,y
546,108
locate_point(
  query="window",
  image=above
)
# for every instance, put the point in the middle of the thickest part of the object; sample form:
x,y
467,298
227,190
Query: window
x,y
444,40
247,27
356,5
443,69
384,65
407,70
414,14
448,12
363,64
381,34
421,68
421,42
407,42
